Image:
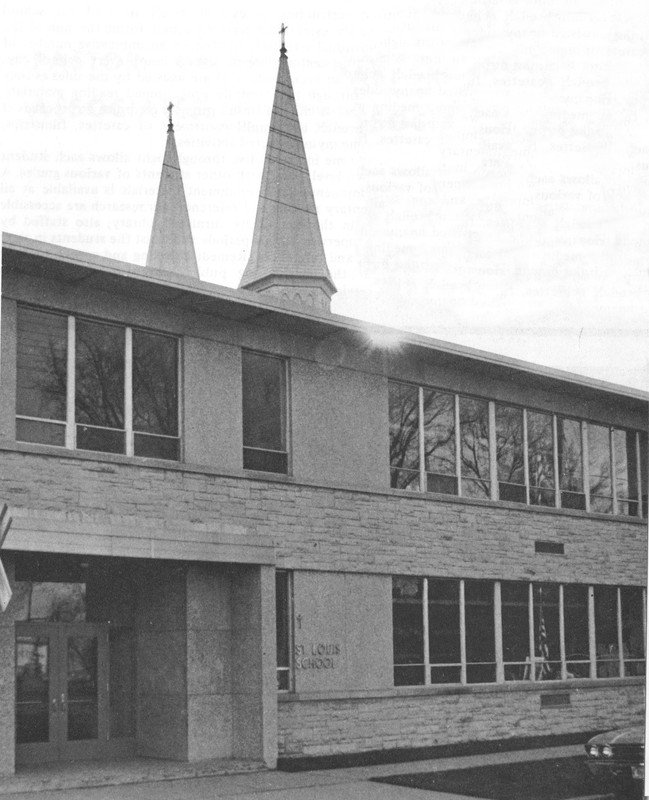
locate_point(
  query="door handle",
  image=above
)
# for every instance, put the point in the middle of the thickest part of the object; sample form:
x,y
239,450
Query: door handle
x,y
54,704
63,701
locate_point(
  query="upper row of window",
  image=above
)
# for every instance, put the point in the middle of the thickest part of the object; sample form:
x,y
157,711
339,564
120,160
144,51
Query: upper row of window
x,y
95,386
112,388
452,444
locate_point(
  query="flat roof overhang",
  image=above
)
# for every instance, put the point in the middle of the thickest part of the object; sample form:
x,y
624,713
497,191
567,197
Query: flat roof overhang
x,y
32,257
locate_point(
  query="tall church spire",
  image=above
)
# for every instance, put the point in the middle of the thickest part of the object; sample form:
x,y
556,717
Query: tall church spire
x,y
171,247
287,256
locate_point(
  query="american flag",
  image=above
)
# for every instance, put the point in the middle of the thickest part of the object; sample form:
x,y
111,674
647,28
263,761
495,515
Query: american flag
x,y
544,650
5,586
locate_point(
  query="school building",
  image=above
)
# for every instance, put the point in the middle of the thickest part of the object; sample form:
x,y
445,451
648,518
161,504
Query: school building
x,y
245,527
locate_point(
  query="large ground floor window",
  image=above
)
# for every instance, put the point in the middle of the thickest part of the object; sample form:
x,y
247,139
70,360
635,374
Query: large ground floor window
x,y
452,630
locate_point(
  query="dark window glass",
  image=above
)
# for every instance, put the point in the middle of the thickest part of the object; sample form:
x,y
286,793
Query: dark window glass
x,y
404,436
644,479
570,464
41,368
32,689
439,442
264,409
474,437
155,383
599,462
480,633
509,454
444,630
156,447
608,659
540,458
29,430
626,472
575,612
546,632
283,622
516,625
408,631
100,386
633,630
82,685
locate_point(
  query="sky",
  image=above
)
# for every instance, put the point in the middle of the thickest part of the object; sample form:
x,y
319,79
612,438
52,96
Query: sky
x,y
480,168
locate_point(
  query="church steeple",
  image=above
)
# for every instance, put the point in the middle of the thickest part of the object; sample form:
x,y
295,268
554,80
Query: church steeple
x,y
171,247
287,256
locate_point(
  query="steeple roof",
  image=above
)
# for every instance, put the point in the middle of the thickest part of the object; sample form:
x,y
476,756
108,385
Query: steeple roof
x,y
171,247
287,249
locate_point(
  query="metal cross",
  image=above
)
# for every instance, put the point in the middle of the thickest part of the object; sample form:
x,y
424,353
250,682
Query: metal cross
x,y
169,109
282,31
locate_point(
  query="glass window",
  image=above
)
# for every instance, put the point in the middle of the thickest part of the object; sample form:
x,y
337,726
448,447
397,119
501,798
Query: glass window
x,y
404,436
155,395
599,462
633,638
509,454
264,412
444,630
516,626
575,610
283,622
540,450
570,464
626,472
408,631
608,658
439,442
474,437
41,377
644,479
99,398
480,632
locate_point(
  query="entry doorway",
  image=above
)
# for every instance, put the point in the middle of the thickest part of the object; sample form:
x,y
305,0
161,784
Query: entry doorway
x,y
72,691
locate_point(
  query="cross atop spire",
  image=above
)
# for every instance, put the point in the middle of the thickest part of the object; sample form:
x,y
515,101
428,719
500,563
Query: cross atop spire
x,y
171,247
287,257
282,31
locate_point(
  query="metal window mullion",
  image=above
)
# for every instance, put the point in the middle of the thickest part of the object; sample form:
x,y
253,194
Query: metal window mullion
x,y
620,639
526,458
458,445
463,670
128,390
555,460
638,460
70,426
493,460
611,455
427,680
562,635
530,617
498,633
291,633
592,640
585,466
422,443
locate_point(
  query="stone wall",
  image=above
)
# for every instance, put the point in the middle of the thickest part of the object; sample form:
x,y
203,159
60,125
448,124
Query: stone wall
x,y
325,727
334,529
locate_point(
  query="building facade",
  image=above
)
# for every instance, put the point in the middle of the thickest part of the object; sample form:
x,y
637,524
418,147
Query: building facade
x,y
245,527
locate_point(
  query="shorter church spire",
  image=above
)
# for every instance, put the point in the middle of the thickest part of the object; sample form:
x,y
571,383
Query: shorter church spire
x,y
287,257
171,247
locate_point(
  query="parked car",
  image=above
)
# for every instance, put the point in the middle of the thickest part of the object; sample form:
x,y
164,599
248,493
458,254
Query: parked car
x,y
620,755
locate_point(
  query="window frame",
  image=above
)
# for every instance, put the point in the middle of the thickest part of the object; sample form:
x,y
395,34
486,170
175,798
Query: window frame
x,y
286,671
284,421
530,668
71,423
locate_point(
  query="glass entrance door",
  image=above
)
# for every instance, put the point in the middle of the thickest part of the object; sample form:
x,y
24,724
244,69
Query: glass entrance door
x,y
61,691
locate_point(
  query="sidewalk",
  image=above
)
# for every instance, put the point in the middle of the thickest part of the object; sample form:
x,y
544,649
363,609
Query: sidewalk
x,y
166,781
